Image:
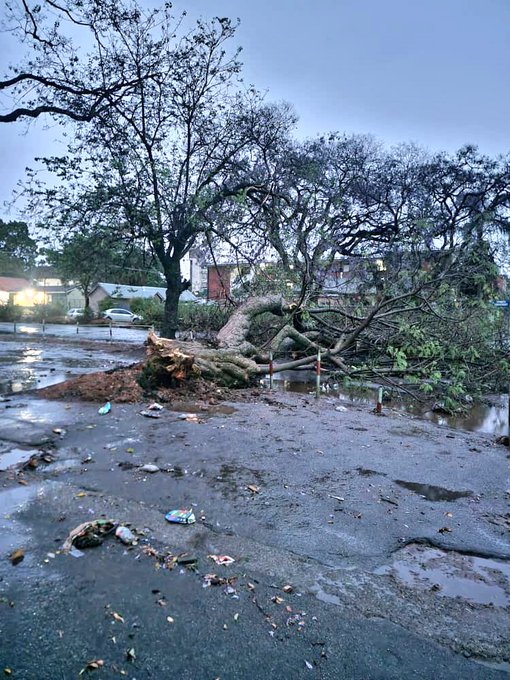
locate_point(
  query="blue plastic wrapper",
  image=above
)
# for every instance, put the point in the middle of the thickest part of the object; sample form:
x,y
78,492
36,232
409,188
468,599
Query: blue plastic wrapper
x,y
105,409
181,516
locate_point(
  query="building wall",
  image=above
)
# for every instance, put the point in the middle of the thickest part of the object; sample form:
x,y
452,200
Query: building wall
x,y
75,299
96,297
218,282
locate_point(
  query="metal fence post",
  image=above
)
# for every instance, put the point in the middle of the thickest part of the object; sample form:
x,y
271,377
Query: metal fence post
x,y
318,377
271,368
110,330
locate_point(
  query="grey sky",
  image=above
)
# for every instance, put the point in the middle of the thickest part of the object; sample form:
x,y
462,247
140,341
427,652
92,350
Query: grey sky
x,y
430,71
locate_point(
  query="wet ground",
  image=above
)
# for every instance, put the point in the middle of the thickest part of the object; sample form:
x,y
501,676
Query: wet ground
x,y
490,415
392,532
29,363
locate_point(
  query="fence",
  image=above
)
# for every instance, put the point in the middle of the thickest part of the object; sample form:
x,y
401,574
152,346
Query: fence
x,y
108,332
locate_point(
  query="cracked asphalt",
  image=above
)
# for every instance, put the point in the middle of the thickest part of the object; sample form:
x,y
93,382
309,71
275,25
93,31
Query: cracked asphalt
x,y
324,514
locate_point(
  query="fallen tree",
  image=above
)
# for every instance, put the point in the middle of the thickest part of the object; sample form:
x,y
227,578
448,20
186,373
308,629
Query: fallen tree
x,y
413,333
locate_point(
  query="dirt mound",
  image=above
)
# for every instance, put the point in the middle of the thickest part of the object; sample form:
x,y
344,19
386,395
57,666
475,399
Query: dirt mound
x,y
119,385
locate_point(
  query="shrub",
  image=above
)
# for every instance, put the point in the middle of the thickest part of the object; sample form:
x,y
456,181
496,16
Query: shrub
x,y
10,312
50,312
107,303
150,309
203,318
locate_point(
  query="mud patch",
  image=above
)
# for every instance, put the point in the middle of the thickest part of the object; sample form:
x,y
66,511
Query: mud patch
x,y
478,580
433,493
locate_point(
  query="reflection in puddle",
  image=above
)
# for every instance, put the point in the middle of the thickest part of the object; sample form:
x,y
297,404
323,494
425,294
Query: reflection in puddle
x,y
16,457
492,418
36,365
433,493
450,574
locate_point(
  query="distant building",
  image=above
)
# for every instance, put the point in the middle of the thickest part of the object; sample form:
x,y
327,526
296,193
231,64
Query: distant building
x,y
19,291
123,294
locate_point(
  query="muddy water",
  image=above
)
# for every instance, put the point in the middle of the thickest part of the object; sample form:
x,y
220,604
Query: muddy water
x,y
34,365
491,419
433,493
451,574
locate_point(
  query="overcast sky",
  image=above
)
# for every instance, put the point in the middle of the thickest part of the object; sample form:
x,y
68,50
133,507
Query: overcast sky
x,y
435,72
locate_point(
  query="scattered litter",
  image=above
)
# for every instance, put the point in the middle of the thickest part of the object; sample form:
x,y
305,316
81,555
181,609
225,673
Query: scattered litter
x,y
130,654
76,553
87,459
92,666
222,559
125,535
213,580
59,430
277,599
105,409
149,414
149,467
155,407
444,530
89,534
309,665
236,617
340,408
253,488
287,589
337,498
170,619
8,671
190,417
180,516
118,617
17,556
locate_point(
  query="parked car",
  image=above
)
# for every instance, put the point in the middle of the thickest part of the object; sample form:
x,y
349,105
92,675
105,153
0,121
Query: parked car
x,y
75,313
121,315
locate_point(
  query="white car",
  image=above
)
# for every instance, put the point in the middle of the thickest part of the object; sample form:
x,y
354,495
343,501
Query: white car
x,y
121,315
75,313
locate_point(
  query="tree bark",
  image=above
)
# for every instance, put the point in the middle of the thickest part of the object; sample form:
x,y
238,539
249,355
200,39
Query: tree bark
x,y
234,333
173,291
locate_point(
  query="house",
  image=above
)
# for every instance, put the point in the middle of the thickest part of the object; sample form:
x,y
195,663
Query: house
x,y
123,294
19,291
66,296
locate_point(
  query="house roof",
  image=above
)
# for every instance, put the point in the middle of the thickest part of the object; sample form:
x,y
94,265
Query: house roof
x,y
13,284
118,290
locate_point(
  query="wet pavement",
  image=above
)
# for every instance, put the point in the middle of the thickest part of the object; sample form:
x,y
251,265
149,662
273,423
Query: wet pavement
x,y
30,363
490,415
99,332
389,580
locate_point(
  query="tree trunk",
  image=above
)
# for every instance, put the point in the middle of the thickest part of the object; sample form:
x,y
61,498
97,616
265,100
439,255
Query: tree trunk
x,y
234,333
173,291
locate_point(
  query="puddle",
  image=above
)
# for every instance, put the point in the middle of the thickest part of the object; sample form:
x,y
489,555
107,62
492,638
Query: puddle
x,y
433,493
204,411
37,365
16,457
13,501
449,574
491,418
